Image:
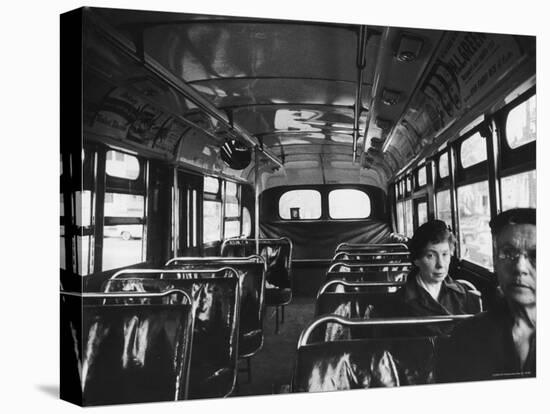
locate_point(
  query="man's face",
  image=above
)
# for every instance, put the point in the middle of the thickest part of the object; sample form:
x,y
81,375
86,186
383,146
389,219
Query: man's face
x,y
515,263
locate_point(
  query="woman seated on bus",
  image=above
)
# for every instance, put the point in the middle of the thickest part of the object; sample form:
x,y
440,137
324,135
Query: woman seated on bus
x,y
430,290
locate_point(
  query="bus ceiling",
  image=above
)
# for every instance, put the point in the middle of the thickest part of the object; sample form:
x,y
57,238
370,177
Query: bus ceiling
x,y
320,102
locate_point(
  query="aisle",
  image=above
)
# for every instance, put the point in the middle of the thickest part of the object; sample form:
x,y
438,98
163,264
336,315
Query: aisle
x,y
272,366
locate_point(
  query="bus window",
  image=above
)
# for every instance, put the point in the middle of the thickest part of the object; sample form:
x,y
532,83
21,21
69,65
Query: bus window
x,y
400,222
232,225
421,178
409,231
519,190
443,200
443,166
348,203
473,151
211,210
247,223
421,213
211,185
83,247
123,242
212,213
121,165
473,217
124,211
521,125
62,247
300,205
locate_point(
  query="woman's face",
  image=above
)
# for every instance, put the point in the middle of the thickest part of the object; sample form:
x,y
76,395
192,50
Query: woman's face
x,y
434,262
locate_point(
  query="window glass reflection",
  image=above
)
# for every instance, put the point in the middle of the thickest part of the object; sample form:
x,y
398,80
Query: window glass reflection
x,y
473,216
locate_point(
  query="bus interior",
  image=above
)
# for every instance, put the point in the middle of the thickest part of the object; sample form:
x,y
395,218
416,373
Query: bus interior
x,y
232,176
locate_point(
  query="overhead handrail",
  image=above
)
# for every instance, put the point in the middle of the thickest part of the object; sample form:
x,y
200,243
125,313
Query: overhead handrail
x,y
304,336
330,283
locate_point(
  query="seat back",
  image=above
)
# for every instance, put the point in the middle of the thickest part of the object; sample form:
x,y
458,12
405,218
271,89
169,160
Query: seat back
x,y
366,363
216,301
277,254
470,287
132,352
382,361
251,272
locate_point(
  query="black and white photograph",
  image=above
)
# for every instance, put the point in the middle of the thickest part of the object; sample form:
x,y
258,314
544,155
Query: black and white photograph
x,y
286,208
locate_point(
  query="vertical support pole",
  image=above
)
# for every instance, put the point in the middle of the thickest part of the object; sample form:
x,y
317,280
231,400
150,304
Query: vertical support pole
x,y
257,199
493,150
175,214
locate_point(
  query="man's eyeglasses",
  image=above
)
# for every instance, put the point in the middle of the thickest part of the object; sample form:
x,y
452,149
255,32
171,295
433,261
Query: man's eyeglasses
x,y
512,255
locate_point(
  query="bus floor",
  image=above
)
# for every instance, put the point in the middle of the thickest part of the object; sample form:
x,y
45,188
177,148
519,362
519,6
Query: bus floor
x,y
272,366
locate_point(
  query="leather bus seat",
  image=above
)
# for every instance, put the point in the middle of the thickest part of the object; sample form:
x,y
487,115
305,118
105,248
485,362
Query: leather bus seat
x,y
216,300
277,254
367,363
134,352
383,360
251,272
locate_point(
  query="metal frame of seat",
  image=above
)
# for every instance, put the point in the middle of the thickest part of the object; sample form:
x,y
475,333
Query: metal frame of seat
x,y
361,247
360,265
366,256
419,320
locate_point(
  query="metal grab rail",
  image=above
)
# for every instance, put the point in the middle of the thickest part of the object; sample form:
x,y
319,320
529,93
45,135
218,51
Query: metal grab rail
x,y
369,265
122,295
337,255
172,271
420,320
370,246
323,288
221,259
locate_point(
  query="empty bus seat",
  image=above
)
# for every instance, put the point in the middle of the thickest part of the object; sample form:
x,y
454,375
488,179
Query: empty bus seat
x,y
352,305
213,371
277,254
251,272
367,363
133,352
384,361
